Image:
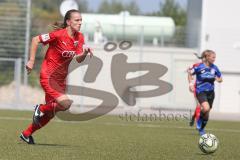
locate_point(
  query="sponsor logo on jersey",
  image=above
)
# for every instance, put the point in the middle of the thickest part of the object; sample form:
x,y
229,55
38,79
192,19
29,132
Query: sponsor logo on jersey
x,y
64,43
68,54
202,71
212,71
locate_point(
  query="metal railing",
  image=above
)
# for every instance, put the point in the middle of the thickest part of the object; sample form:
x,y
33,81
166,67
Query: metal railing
x,y
16,79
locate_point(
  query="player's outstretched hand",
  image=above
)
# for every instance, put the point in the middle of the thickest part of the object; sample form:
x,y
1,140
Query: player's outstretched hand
x,y
29,66
88,50
218,79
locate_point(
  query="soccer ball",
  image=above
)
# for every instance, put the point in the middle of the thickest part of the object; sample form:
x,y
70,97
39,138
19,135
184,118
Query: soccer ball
x,y
208,143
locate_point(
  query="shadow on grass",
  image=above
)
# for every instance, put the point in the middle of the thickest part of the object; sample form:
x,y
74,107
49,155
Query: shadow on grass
x,y
51,145
47,144
204,154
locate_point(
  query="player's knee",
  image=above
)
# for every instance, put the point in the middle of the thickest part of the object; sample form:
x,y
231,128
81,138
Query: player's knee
x,y
206,109
66,104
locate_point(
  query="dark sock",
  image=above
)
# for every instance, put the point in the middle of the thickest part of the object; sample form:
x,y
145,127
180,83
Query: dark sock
x,y
201,115
204,123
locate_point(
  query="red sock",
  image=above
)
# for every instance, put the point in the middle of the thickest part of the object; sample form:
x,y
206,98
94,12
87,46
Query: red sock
x,y
33,127
197,111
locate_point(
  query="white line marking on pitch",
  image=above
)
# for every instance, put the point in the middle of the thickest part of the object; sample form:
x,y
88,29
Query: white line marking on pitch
x,y
125,124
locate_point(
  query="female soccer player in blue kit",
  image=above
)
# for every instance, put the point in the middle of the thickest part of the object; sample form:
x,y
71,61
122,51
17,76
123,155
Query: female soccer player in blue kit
x,y
192,83
206,73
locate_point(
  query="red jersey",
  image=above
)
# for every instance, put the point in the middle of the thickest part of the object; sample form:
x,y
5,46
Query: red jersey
x,y
62,49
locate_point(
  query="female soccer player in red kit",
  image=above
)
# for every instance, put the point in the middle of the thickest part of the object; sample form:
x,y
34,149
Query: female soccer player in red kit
x,y
65,43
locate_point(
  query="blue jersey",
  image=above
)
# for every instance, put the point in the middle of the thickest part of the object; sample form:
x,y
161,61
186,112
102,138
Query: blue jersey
x,y
205,76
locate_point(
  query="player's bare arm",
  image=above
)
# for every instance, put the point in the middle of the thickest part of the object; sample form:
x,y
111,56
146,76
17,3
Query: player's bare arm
x,y
190,80
33,50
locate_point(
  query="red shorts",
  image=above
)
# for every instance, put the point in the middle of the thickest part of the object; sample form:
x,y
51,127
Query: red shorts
x,y
53,88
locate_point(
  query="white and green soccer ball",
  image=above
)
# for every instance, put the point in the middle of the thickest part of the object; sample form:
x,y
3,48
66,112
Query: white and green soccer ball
x,y
208,143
